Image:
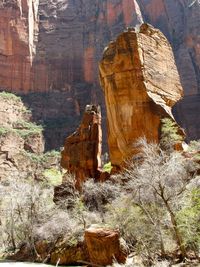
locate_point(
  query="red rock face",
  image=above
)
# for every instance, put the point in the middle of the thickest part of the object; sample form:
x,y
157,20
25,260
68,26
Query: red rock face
x,y
55,46
47,47
82,151
18,26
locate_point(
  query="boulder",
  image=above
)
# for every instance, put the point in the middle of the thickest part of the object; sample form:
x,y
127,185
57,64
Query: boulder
x,y
68,255
141,84
104,246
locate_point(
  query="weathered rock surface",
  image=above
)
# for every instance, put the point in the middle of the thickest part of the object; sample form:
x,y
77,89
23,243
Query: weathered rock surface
x,y
141,84
54,46
67,39
104,246
69,254
49,45
21,142
82,149
18,34
98,246
179,21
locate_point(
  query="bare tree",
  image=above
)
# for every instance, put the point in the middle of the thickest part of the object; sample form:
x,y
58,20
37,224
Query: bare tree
x,y
28,215
23,205
159,180
97,195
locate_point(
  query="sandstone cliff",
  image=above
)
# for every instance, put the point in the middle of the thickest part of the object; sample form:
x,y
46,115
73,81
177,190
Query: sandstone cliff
x,y
54,46
141,84
179,21
66,38
50,45
18,35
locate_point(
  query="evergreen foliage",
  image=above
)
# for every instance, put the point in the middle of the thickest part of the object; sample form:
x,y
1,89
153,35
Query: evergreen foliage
x,y
169,134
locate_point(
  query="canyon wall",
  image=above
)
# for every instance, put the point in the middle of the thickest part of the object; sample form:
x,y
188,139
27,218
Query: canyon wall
x,y
141,84
54,45
49,51
18,36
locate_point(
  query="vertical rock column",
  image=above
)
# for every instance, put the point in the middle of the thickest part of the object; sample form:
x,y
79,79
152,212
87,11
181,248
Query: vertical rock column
x,y
82,150
141,84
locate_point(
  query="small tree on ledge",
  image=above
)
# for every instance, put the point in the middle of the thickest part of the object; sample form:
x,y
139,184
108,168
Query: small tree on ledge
x,y
170,134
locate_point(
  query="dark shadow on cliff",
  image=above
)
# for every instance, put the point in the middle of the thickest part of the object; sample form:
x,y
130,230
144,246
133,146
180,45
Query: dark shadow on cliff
x,y
55,111
187,113
59,69
60,92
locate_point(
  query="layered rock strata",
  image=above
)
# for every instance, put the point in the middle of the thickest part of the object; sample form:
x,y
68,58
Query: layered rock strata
x,y
82,150
50,45
141,84
179,21
54,46
18,37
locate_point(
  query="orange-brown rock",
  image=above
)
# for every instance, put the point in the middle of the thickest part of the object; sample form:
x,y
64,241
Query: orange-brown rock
x,y
68,255
178,20
82,149
141,84
18,35
104,246
25,252
54,47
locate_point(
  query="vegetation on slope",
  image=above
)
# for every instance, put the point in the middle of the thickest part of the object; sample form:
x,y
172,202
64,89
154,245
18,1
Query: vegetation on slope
x,y
154,203
9,96
23,127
